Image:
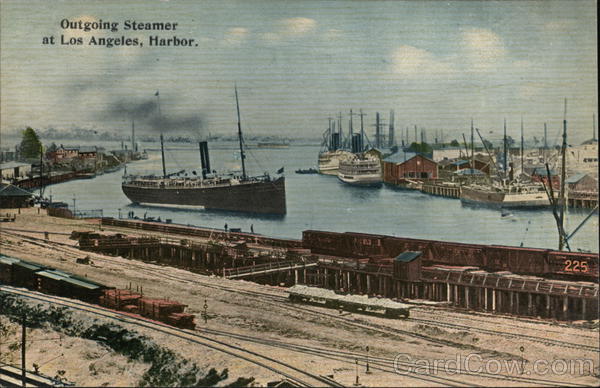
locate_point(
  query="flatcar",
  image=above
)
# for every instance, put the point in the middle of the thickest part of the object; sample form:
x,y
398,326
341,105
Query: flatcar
x,y
352,303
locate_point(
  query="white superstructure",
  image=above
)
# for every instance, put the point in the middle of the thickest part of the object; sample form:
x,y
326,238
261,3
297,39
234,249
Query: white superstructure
x,y
361,170
329,161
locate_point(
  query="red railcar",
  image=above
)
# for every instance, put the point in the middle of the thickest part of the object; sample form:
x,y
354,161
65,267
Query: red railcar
x,y
396,245
574,264
530,261
362,244
448,253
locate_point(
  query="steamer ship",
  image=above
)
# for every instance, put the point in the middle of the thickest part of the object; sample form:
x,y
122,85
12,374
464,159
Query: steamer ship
x,y
361,170
236,192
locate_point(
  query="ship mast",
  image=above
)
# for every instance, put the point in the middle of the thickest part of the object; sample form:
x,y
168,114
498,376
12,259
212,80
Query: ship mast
x,y
522,149
362,131
472,146
162,146
242,155
505,151
563,175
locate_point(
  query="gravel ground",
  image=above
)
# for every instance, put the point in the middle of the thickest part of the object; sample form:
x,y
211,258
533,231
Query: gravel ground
x,y
246,309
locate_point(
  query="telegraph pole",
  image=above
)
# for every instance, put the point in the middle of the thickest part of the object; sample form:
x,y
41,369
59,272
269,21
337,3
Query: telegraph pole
x,y
23,343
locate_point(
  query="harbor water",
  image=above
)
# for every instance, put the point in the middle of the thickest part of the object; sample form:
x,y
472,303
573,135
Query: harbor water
x,y
323,203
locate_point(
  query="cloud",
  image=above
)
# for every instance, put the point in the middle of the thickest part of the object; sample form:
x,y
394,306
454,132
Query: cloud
x,y
291,28
236,35
333,33
297,26
483,49
412,62
562,26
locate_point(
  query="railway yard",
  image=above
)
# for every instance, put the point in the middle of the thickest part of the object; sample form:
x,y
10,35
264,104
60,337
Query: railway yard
x,y
254,330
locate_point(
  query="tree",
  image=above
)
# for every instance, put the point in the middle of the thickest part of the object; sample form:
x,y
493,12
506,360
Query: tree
x,y
30,144
454,143
420,148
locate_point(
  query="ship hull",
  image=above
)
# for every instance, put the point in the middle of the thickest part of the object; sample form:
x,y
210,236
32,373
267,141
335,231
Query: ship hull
x,y
504,200
365,181
253,197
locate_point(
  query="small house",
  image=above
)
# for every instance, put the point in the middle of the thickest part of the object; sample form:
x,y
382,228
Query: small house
x,y
582,183
407,266
15,170
13,197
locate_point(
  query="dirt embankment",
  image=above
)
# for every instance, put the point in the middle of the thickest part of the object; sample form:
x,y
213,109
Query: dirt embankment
x,y
259,319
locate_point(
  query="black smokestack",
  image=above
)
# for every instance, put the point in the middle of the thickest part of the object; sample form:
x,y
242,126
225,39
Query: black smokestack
x,y
204,158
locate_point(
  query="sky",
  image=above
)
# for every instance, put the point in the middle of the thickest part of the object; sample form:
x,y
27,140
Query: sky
x,y
437,64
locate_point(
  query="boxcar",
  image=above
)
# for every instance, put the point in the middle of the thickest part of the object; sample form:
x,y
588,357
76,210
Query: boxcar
x,y
530,261
6,269
23,274
573,264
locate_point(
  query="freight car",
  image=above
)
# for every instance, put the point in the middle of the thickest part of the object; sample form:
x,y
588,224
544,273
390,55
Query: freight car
x,y
168,311
48,280
353,303
528,261
55,282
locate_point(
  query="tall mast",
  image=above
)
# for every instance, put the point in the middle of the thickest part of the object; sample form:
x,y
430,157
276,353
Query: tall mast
x,y
162,146
416,137
594,127
243,156
505,150
41,169
522,147
350,129
472,145
132,136
563,174
341,132
362,131
162,153
391,139
377,125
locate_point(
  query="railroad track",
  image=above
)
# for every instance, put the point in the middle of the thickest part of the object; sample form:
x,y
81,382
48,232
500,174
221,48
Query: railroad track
x,y
545,341
278,299
297,375
385,364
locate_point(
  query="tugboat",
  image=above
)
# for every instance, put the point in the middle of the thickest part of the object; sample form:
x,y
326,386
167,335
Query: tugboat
x,y
231,192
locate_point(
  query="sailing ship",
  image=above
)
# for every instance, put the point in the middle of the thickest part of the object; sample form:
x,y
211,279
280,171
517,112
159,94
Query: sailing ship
x,y
510,196
508,193
361,170
236,192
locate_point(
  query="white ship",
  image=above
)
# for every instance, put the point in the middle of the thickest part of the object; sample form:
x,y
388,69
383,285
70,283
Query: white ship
x,y
360,170
329,161
511,196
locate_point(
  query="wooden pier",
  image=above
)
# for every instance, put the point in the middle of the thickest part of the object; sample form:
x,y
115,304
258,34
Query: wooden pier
x,y
449,191
469,288
582,199
269,261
